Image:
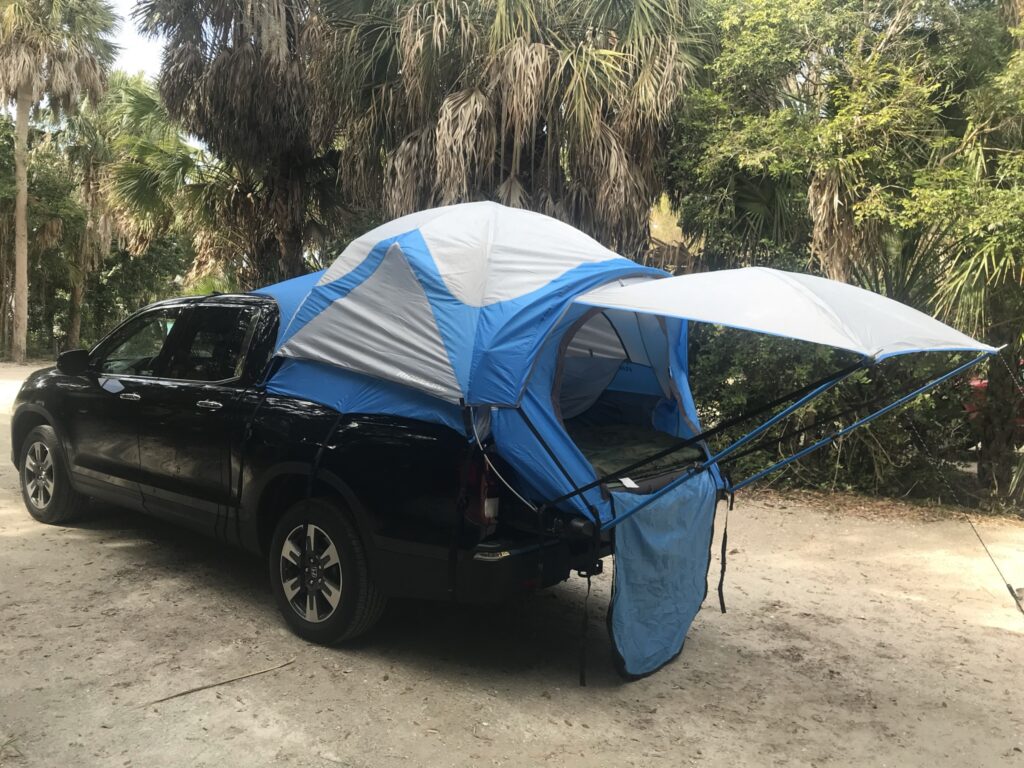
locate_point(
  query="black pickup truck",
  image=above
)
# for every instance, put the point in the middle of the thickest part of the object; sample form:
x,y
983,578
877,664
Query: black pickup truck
x,y
167,416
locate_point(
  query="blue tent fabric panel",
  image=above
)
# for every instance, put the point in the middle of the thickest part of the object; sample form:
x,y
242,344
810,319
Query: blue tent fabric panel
x,y
681,363
637,379
289,295
662,555
541,472
510,332
349,392
533,461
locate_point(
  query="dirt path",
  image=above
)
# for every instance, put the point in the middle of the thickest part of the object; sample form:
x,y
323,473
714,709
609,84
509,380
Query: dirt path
x,y
850,640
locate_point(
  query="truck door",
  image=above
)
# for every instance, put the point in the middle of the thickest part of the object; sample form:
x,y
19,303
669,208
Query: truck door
x,y
102,406
192,425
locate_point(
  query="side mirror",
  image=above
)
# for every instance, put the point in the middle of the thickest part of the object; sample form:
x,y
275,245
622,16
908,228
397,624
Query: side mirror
x,y
74,362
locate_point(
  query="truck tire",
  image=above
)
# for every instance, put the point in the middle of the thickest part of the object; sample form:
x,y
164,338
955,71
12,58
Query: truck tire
x,y
43,476
320,575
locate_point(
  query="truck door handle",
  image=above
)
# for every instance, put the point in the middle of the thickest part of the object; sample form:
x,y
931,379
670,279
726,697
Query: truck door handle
x,y
210,405
130,396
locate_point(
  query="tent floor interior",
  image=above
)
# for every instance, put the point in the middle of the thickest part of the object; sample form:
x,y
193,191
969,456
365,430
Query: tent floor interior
x,y
612,447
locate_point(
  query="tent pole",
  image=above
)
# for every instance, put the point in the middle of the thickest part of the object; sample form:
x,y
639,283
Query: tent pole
x,y
594,515
704,436
784,413
859,423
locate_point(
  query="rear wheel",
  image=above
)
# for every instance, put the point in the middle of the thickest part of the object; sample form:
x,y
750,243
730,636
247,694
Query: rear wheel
x,y
320,575
45,485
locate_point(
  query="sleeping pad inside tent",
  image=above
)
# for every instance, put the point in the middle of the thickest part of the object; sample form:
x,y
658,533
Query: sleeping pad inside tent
x,y
538,344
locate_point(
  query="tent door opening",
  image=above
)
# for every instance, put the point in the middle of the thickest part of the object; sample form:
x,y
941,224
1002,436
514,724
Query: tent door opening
x,y
617,398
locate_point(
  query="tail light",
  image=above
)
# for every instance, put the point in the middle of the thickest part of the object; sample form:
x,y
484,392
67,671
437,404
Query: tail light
x,y
482,489
489,496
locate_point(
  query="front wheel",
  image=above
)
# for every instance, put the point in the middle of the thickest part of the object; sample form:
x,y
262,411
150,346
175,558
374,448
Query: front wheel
x,y
45,485
319,573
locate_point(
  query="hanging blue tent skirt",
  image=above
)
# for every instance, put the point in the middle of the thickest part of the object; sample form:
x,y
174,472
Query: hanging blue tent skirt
x,y
662,554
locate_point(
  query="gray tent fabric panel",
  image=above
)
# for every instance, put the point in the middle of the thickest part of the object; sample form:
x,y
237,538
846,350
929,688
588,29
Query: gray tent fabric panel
x,y
583,381
662,555
791,305
628,328
596,338
360,248
520,251
384,328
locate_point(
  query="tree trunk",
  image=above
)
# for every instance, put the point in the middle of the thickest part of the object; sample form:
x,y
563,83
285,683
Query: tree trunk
x,y
19,336
1002,397
74,337
5,291
264,264
292,262
77,276
5,309
289,206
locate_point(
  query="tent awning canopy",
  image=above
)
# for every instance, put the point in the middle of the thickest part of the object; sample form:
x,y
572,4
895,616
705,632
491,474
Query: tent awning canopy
x,y
790,305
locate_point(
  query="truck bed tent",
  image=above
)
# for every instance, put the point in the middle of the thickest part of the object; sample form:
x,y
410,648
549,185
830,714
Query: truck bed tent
x,y
519,331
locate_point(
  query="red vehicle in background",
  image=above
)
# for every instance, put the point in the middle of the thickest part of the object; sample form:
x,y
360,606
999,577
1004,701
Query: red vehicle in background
x,y
978,397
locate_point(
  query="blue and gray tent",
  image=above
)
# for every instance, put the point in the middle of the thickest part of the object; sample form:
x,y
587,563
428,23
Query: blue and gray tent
x,y
519,331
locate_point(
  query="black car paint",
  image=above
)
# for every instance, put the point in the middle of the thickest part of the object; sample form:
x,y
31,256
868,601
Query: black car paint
x,y
233,471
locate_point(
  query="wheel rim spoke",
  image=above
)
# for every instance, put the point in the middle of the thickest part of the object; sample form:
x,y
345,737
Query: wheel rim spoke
x,y
329,558
292,588
292,553
331,593
310,535
311,609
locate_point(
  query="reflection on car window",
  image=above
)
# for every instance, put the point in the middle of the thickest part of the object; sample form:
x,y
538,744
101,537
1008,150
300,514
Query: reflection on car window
x,y
136,350
214,345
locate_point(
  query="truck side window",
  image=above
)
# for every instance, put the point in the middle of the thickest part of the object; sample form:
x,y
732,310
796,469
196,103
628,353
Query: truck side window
x,y
138,348
214,345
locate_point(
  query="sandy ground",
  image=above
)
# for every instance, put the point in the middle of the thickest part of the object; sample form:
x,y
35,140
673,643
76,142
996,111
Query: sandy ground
x,y
853,637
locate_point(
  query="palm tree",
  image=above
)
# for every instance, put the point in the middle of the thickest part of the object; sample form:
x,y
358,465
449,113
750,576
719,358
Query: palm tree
x,y
53,48
237,76
88,138
160,182
555,105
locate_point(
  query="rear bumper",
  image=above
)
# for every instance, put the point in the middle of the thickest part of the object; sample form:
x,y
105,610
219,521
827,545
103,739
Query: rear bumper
x,y
497,570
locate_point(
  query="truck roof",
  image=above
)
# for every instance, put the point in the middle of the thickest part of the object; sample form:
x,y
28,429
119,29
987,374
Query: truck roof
x,y
215,298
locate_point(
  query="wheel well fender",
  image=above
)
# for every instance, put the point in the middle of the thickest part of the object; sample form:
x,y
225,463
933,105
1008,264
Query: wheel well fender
x,y
27,418
287,483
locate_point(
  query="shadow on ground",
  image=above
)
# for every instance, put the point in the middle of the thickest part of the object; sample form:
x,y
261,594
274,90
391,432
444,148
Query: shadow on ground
x,y
538,634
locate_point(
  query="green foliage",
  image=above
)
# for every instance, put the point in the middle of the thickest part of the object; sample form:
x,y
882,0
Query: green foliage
x,y
876,142
128,282
911,453
553,105
123,279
